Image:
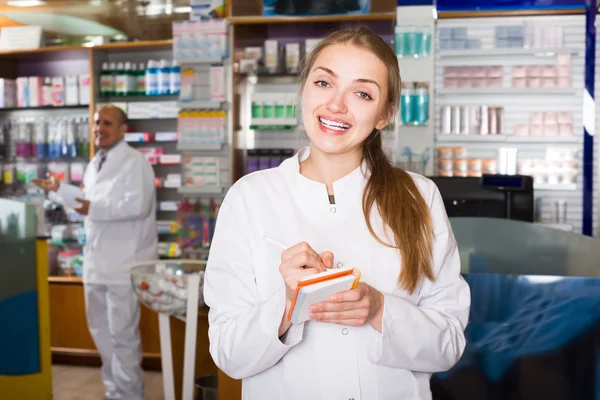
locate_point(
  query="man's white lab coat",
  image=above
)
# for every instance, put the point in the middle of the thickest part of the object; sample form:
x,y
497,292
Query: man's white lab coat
x,y
120,230
422,332
120,227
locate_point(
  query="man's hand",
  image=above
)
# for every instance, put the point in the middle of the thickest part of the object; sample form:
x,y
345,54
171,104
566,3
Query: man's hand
x,y
85,206
50,184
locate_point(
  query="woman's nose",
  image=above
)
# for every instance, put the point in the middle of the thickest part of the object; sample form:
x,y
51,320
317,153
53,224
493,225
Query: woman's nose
x,y
336,104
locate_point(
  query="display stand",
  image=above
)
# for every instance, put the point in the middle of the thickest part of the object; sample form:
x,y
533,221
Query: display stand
x,y
166,351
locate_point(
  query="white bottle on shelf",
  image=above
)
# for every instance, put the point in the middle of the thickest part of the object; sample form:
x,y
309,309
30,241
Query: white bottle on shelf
x,y
121,79
164,77
152,78
174,78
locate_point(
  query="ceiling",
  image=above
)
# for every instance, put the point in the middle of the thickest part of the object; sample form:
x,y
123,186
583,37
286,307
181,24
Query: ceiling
x,y
139,19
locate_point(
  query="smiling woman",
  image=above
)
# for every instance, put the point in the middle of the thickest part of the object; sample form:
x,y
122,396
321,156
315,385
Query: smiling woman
x,y
344,205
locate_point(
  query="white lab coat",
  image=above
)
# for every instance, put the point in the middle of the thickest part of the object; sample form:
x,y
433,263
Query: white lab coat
x,y
120,226
120,230
422,332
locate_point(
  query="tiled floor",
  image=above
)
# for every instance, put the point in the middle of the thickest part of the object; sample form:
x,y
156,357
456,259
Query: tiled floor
x,y
77,383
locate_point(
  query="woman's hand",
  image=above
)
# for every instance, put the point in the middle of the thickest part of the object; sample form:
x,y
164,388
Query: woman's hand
x,y
297,262
354,307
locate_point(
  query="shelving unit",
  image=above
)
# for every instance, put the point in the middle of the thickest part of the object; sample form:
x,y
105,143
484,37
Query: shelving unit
x,y
518,103
508,52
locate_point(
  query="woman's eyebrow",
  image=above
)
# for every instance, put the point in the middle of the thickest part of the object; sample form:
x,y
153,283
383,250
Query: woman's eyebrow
x,y
360,80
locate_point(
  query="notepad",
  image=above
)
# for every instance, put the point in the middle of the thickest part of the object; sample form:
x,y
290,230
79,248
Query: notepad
x,y
319,287
69,193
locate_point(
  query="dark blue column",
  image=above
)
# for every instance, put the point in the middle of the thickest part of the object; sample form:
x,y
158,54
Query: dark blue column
x,y
589,114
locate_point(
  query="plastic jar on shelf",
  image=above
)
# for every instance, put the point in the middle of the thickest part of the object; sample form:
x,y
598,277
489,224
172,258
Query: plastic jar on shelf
x,y
424,44
405,102
399,40
410,41
420,103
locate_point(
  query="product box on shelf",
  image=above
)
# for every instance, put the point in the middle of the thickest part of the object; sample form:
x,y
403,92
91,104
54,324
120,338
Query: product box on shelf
x,y
84,88
559,167
35,85
8,93
199,39
71,91
58,91
457,38
201,172
546,124
202,127
259,159
315,7
217,83
207,9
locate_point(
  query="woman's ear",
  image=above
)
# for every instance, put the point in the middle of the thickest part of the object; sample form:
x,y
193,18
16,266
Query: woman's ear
x,y
384,121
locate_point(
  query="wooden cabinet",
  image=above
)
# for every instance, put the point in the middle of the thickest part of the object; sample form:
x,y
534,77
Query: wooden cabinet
x,y
69,336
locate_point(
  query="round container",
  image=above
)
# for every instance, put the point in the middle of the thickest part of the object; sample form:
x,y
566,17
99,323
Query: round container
x,y
406,95
162,285
459,152
489,166
445,153
420,103
445,165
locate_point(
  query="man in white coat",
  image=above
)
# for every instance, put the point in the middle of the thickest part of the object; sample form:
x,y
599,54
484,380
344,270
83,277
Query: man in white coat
x,y
120,228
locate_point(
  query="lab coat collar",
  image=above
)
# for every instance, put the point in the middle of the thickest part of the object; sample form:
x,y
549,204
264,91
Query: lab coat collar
x,y
345,189
116,149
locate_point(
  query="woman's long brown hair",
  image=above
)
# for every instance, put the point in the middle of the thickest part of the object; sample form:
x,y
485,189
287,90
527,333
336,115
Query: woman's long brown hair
x,y
392,190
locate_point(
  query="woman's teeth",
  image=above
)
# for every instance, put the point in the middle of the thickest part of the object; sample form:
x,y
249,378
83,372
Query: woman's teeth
x,y
336,126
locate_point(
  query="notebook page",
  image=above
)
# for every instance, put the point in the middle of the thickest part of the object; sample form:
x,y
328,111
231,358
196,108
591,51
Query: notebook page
x,y
317,293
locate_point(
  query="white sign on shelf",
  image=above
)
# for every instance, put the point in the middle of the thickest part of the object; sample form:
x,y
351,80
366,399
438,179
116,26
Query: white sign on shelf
x,y
20,37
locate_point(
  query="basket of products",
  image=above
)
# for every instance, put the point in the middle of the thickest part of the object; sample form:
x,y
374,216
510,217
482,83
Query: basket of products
x,y
162,285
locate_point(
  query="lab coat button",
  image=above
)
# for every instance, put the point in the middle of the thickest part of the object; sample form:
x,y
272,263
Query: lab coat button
x,y
339,265
344,331
332,210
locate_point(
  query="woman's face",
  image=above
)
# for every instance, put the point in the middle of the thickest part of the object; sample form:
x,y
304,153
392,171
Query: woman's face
x,y
344,98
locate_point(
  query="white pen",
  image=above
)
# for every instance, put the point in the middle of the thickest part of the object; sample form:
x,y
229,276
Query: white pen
x,y
276,243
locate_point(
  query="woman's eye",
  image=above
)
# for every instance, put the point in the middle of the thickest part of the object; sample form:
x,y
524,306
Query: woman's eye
x,y
322,84
364,96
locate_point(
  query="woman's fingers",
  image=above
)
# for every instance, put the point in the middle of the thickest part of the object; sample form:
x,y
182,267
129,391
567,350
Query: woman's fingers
x,y
301,247
327,258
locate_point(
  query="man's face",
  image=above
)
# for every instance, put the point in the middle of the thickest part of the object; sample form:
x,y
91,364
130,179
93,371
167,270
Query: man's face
x,y
108,129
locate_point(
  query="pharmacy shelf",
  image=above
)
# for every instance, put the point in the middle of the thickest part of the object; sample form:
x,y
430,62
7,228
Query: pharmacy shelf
x,y
202,60
77,106
470,138
508,91
506,139
200,190
560,187
505,52
137,99
198,147
185,105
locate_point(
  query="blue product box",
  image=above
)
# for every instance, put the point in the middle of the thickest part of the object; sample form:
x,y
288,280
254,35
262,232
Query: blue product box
x,y
315,7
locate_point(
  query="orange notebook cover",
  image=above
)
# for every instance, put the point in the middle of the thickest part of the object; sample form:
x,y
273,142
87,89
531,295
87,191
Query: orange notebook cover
x,y
319,288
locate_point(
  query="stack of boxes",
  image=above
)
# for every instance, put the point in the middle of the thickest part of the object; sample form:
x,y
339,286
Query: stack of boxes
x,y
546,124
544,76
37,91
473,77
260,159
457,39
